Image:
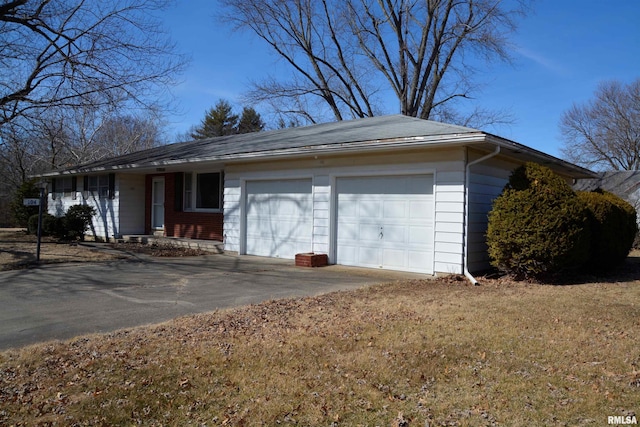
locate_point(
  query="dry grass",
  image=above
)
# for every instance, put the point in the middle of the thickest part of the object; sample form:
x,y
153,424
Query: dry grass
x,y
18,250
404,353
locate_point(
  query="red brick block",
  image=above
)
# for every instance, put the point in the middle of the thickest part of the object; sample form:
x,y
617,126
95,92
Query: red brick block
x,y
311,260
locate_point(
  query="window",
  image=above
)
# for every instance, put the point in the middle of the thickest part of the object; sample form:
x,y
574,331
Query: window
x,y
202,191
64,187
101,186
98,185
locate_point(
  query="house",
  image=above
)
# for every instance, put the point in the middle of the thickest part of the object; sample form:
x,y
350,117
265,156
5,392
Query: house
x,y
624,184
391,192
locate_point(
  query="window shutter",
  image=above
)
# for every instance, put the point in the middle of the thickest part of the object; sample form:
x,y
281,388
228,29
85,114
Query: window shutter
x,y
221,189
178,191
74,187
112,185
85,183
53,188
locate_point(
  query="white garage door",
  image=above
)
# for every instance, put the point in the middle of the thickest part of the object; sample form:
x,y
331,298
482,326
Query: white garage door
x,y
279,217
386,222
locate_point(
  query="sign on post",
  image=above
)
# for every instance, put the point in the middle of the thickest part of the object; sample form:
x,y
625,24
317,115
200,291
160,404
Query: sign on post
x,y
31,202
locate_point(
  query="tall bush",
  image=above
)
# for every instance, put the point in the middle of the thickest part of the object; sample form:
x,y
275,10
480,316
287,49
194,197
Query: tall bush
x,y
538,226
77,220
613,226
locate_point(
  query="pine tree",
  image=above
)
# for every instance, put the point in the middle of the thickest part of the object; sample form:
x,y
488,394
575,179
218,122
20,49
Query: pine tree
x,y
250,121
218,121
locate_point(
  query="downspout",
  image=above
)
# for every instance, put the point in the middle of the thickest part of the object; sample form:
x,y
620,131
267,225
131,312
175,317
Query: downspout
x,y
466,204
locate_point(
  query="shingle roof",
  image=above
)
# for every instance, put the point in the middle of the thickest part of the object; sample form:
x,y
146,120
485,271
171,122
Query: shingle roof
x,y
335,134
379,133
625,184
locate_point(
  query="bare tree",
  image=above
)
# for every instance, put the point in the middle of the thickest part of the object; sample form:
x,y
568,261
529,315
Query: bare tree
x,y
79,52
79,135
604,133
347,54
63,137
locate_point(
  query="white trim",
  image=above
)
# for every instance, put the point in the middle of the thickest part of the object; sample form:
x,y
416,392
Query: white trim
x,y
243,217
194,191
157,179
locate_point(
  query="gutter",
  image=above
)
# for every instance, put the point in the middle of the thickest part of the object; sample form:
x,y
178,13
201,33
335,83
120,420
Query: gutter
x,y
467,274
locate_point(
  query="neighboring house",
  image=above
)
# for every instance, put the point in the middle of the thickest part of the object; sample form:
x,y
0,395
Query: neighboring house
x,y
391,192
625,184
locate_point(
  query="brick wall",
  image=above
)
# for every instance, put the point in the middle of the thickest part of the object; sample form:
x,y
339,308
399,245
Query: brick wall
x,y
191,225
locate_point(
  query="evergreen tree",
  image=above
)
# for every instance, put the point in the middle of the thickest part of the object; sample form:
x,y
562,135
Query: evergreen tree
x,y
20,212
218,121
250,121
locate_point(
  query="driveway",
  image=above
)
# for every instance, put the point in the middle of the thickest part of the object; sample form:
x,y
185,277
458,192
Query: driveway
x,y
66,300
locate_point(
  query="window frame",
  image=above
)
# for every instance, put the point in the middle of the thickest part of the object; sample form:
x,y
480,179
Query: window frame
x,y
190,190
61,190
100,189
94,190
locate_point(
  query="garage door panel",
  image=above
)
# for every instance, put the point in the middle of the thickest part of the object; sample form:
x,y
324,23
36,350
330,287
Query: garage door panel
x,y
281,186
394,234
419,234
279,217
395,209
385,222
416,261
394,258
368,233
421,210
370,209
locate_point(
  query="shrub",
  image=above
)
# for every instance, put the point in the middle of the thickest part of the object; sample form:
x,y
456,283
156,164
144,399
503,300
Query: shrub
x,y
70,226
77,220
32,224
538,226
51,225
613,226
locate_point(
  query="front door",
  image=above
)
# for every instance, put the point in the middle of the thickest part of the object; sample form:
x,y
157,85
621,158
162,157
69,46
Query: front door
x,y
157,203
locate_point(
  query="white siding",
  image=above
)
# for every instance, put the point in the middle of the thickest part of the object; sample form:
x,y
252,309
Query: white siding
x,y
321,214
486,181
231,224
124,214
59,205
106,222
447,167
449,228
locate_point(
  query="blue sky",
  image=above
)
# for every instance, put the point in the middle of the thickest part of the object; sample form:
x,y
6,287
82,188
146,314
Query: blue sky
x,y
562,50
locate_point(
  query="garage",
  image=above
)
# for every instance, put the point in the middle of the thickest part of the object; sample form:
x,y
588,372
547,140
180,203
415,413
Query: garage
x,y
385,222
279,217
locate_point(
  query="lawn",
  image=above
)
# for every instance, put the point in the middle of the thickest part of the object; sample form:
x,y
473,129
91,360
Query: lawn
x,y
408,353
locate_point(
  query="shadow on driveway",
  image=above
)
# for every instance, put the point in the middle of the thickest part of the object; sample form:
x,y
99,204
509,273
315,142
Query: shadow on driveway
x,y
61,301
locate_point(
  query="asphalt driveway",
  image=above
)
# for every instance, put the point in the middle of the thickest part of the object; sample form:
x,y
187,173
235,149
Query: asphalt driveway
x,y
66,300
